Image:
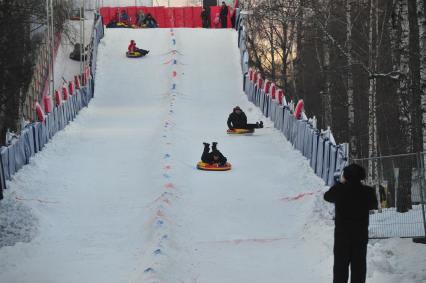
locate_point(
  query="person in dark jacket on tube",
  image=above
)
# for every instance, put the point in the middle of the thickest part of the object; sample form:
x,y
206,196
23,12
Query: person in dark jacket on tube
x,y
213,157
353,201
238,120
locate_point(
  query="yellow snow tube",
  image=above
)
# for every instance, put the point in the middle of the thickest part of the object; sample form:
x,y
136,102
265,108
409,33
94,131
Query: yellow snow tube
x,y
213,167
240,131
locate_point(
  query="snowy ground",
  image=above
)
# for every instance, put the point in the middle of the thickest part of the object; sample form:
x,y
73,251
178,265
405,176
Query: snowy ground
x,y
116,196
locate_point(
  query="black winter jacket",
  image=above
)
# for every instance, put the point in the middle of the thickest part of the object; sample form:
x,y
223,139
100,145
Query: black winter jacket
x,y
237,121
224,11
207,157
353,203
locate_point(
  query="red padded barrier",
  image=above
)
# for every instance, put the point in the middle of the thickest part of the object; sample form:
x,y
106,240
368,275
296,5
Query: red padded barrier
x,y
58,98
254,77
267,85
39,112
179,21
71,87
105,15
214,10
298,111
77,81
132,12
196,13
48,104
273,91
169,18
160,17
259,82
250,74
65,92
280,96
166,17
188,17
114,13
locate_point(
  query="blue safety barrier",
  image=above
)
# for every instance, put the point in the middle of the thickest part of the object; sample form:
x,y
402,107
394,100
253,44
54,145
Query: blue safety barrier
x,y
34,136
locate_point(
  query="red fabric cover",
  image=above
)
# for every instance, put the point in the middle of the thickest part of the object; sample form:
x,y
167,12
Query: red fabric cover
x,y
77,81
298,111
179,21
169,18
58,98
280,96
132,12
273,91
104,11
39,112
267,85
71,87
188,17
214,11
47,103
196,13
65,92
160,17
259,81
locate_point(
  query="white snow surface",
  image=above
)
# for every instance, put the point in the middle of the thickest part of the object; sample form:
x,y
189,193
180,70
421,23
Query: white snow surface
x,y
116,197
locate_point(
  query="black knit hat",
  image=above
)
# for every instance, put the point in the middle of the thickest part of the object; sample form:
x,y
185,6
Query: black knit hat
x,y
354,173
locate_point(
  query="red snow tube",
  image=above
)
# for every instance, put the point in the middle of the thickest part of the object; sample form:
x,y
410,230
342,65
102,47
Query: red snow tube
x,y
280,96
267,85
58,99
39,112
65,92
47,102
298,111
273,91
71,88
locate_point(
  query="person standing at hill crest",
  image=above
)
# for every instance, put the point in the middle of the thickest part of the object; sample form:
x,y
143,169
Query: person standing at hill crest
x,y
224,15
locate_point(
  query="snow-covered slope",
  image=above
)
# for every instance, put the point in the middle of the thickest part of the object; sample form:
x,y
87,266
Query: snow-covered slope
x,y
116,196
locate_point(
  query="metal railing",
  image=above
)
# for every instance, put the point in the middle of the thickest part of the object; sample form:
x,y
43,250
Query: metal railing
x,y
399,181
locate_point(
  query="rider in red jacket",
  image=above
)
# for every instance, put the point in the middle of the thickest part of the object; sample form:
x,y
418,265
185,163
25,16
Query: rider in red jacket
x,y
132,48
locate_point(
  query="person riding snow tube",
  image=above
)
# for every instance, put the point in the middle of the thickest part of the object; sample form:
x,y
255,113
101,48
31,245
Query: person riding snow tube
x,y
134,52
237,122
214,160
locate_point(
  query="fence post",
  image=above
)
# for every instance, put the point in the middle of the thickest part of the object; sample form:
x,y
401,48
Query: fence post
x,y
421,174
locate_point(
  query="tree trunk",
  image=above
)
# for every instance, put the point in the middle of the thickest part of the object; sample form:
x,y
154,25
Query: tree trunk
x,y
350,83
404,190
325,92
372,91
421,19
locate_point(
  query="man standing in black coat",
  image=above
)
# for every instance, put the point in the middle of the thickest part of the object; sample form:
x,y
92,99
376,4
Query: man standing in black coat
x,y
205,17
224,15
238,120
353,201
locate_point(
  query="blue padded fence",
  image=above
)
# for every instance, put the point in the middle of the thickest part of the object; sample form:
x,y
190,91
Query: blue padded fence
x,y
35,135
326,158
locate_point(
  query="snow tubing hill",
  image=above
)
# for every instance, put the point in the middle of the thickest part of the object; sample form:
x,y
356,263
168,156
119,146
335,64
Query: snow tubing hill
x,y
213,167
